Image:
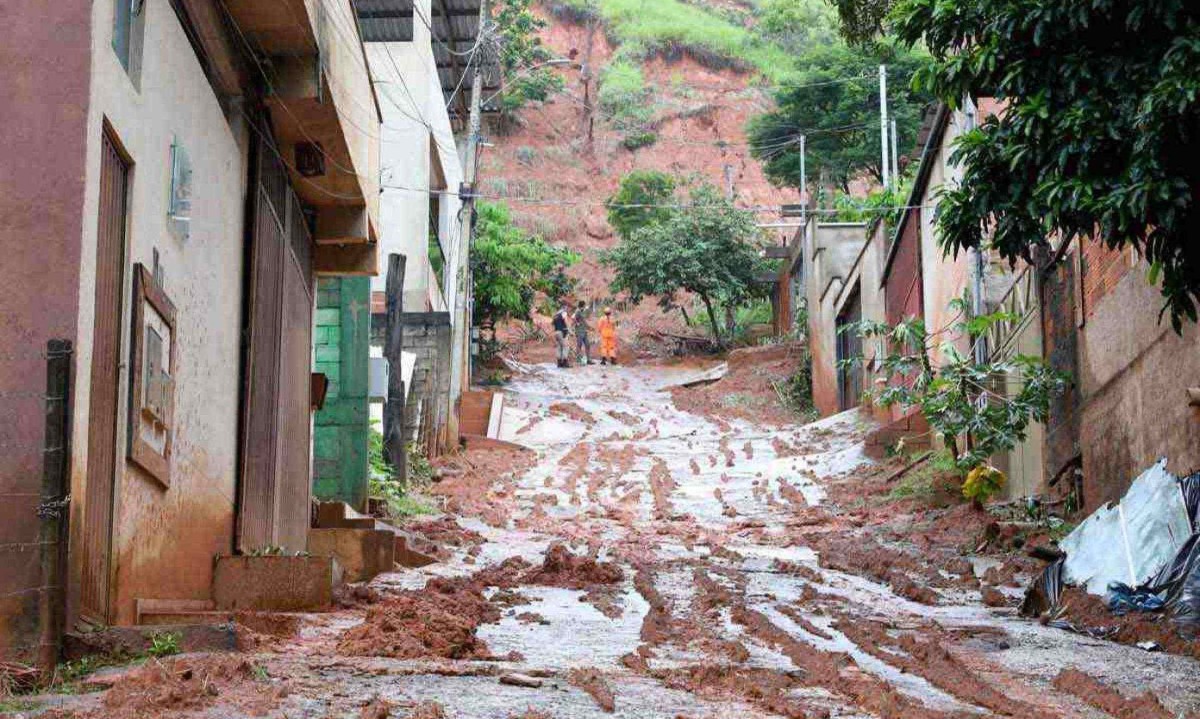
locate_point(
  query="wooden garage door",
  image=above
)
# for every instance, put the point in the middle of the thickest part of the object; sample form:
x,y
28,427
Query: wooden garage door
x,y
276,482
105,382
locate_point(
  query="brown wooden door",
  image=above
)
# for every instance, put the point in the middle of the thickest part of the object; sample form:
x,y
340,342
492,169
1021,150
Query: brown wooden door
x,y
105,382
276,481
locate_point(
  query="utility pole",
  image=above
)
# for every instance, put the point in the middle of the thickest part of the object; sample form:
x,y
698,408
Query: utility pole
x,y
460,357
980,349
394,441
883,125
585,74
895,155
803,180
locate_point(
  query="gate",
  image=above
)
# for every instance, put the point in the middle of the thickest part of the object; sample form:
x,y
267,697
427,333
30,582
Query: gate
x,y
275,485
100,488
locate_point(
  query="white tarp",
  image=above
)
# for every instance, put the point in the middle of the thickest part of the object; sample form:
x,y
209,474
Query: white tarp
x,y
1131,541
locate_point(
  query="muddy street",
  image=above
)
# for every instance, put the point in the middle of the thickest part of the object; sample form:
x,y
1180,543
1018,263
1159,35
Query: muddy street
x,y
641,561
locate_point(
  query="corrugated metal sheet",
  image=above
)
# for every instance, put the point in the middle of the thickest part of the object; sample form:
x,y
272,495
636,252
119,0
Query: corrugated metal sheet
x,y
454,25
105,382
294,481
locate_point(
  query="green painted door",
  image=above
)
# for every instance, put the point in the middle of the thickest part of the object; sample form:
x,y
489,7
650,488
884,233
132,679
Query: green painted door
x,y
342,339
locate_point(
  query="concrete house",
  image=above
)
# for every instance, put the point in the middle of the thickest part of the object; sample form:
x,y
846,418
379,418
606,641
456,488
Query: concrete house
x,y
176,175
420,53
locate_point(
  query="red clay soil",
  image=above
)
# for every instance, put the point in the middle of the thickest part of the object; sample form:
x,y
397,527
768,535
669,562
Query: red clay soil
x,y
561,568
594,683
473,484
187,684
438,621
747,390
427,710
926,656
1087,610
1109,700
573,411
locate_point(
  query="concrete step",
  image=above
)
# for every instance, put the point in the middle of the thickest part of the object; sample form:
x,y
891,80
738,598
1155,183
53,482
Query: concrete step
x,y
275,583
407,550
362,553
175,611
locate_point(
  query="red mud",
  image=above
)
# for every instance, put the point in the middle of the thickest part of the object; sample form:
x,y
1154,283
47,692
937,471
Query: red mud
x,y
187,684
1109,700
438,621
1086,610
476,485
747,390
572,411
594,683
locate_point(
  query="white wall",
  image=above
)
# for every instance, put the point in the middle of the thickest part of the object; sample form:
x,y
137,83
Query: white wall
x,y
414,121
192,520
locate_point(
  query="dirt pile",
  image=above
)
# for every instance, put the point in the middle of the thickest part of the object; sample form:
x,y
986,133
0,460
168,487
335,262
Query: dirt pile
x,y
1088,611
438,621
747,391
561,568
188,684
473,481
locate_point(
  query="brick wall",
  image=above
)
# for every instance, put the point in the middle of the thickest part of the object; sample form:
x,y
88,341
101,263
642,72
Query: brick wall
x,y
1101,269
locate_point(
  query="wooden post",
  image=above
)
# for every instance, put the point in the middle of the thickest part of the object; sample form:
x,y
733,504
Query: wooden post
x,y
52,510
394,441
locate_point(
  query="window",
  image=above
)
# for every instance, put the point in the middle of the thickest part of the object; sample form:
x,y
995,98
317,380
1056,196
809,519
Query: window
x,y
179,205
129,18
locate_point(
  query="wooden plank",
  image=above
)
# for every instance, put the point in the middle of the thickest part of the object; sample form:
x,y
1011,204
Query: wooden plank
x,y
394,441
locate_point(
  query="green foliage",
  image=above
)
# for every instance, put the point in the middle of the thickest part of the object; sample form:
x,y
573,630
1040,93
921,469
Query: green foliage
x,y
956,397
795,392
839,118
876,206
705,249
1098,137
640,187
510,266
671,27
862,20
798,25
637,140
626,102
164,644
520,49
377,461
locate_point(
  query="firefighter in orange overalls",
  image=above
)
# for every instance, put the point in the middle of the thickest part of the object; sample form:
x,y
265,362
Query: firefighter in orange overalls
x,y
608,337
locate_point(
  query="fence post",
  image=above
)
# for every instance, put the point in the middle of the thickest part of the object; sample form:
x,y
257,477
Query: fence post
x,y
394,440
53,508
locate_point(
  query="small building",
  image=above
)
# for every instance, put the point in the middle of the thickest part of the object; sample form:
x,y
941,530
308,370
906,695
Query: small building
x,y
176,176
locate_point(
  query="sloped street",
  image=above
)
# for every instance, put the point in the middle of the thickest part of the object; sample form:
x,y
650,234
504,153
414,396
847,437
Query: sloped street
x,y
656,563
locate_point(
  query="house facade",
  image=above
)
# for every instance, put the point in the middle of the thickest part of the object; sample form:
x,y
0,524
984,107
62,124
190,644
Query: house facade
x,y
198,166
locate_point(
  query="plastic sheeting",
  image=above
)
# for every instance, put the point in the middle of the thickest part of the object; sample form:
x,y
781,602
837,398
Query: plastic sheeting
x,y
1132,541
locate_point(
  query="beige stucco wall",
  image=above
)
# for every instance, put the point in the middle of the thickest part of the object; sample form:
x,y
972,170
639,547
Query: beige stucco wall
x,y
831,256
944,277
416,124
166,538
350,85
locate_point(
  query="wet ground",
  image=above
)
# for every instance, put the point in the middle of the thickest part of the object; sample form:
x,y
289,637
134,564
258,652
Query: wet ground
x,y
707,597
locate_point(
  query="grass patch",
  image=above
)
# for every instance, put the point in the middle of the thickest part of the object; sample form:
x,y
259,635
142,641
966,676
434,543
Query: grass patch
x,y
673,28
17,704
928,482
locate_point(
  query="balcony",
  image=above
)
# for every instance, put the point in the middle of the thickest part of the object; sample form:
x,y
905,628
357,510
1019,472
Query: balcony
x,y
325,118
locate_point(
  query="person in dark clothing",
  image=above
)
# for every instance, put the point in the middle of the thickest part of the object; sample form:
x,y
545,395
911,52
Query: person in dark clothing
x,y
562,333
583,342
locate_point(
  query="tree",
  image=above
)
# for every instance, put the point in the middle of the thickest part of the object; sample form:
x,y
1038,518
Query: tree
x,y
510,266
633,204
838,113
797,25
705,249
958,396
1098,136
520,51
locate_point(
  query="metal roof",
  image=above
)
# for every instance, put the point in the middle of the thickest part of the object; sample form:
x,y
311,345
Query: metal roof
x,y
455,28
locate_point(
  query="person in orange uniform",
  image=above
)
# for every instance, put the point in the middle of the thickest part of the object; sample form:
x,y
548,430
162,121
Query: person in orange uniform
x,y
608,337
